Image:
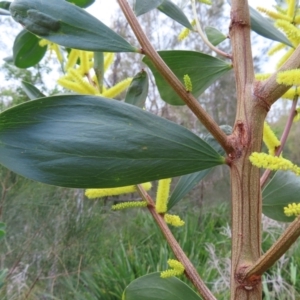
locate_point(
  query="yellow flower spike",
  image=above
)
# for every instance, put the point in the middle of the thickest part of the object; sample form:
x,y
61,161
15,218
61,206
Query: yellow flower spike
x,y
266,161
98,193
177,269
162,195
173,220
185,32
292,210
72,59
129,204
44,42
270,139
289,77
187,83
291,8
208,2
86,86
85,65
292,32
71,85
56,49
274,15
108,60
117,89
285,57
276,49
290,94
262,76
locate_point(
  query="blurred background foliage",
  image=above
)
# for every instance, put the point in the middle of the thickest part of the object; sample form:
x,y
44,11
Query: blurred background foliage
x,y
59,245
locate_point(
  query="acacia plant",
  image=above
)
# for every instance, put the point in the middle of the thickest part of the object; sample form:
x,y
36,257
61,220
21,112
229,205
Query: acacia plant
x,y
87,140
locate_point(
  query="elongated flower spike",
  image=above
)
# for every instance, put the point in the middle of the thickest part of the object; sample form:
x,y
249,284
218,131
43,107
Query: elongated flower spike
x,y
187,83
276,49
262,76
291,8
108,60
185,32
292,210
270,139
266,161
290,94
52,47
173,220
98,193
117,89
275,15
208,2
162,195
129,204
177,269
72,59
289,77
291,31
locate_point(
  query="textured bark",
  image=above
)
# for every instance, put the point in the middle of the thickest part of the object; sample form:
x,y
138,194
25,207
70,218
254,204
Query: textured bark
x,y
246,139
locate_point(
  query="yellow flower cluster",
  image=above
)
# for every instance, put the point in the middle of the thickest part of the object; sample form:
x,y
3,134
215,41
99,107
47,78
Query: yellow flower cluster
x,y
287,20
185,32
291,93
289,77
129,204
292,210
187,83
270,139
80,80
173,220
162,195
262,76
177,269
99,193
263,160
52,47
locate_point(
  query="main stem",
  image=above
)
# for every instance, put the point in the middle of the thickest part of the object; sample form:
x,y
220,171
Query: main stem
x,y
246,139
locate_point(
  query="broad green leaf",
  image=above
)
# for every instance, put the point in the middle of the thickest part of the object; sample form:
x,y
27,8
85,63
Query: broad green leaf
x,y
174,12
187,182
265,28
282,189
143,6
68,25
203,70
153,287
92,142
26,50
82,3
138,90
31,91
214,35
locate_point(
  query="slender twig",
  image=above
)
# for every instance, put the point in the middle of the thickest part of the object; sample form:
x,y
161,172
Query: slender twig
x,y
190,270
283,139
285,241
171,78
201,33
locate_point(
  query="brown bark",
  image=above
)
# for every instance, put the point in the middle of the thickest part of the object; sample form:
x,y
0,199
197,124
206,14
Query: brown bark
x,y
246,139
